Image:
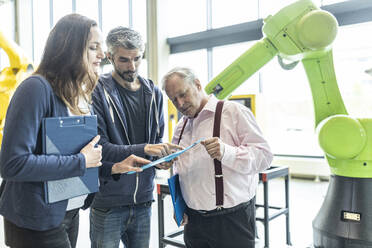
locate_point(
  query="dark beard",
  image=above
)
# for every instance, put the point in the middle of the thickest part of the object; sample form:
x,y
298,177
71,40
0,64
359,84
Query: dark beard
x,y
126,76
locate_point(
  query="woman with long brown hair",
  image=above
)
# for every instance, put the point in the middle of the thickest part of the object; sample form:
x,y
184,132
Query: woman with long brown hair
x,y
61,86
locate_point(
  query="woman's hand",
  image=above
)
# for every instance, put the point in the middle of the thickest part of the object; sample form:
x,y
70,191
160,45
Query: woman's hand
x,y
92,154
131,163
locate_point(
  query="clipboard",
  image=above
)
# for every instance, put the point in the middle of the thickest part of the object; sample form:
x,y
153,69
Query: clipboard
x,y
67,136
179,204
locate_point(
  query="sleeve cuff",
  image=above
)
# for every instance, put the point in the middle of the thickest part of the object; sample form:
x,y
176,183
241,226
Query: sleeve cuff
x,y
82,163
229,155
139,150
106,171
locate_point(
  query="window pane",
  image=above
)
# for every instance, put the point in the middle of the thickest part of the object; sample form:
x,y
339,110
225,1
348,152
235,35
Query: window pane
x,y
41,27
287,115
328,2
61,8
271,7
114,13
353,56
233,12
25,27
7,22
88,8
140,17
196,60
223,56
185,17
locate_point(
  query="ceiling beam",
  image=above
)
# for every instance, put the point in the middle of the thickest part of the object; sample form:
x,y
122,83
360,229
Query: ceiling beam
x,y
346,13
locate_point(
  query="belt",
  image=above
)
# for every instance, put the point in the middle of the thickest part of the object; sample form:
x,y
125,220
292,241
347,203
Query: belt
x,y
218,211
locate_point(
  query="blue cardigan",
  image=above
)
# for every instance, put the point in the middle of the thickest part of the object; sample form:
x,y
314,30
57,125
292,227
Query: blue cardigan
x,y
22,165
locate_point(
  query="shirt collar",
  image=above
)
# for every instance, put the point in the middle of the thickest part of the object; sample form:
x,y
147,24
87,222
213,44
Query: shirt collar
x,y
210,106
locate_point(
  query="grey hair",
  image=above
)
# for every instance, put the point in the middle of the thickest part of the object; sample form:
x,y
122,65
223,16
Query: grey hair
x,y
124,37
184,73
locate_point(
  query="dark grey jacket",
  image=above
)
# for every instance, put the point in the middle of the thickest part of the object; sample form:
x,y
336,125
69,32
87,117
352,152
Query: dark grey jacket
x,y
124,189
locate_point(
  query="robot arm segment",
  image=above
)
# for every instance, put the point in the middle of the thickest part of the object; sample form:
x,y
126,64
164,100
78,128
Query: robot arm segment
x,y
17,59
326,95
242,68
341,137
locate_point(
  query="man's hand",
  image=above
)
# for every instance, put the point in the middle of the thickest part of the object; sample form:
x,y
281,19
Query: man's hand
x,y
131,163
166,165
184,221
161,150
215,147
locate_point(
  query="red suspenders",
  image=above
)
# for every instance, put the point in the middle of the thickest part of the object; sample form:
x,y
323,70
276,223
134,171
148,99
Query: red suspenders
x,y
217,164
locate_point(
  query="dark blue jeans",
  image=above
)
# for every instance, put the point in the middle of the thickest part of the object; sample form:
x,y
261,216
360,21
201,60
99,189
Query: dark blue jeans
x,y
130,224
64,236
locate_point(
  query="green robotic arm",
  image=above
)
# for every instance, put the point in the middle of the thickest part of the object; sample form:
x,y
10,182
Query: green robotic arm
x,y
303,32
12,76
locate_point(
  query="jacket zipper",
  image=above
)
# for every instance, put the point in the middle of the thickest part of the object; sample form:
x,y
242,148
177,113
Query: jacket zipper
x,y
136,189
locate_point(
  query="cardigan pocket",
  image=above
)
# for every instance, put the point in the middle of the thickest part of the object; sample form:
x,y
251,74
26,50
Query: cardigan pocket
x,y
31,201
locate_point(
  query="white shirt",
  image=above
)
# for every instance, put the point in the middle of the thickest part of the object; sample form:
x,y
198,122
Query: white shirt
x,y
78,201
246,154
